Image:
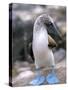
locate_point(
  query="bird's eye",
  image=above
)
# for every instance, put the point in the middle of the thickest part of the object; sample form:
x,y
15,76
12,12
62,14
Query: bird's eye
x,y
48,23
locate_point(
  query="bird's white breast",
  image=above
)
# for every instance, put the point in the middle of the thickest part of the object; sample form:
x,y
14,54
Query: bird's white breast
x,y
40,40
43,56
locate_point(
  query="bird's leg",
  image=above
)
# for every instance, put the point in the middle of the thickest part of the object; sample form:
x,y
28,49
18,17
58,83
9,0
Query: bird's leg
x,y
39,79
37,71
53,69
52,77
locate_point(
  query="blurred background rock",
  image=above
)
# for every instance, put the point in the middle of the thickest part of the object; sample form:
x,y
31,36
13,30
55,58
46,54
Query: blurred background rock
x,y
23,17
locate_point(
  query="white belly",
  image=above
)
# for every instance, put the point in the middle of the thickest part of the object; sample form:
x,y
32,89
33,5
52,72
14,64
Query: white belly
x,y
44,59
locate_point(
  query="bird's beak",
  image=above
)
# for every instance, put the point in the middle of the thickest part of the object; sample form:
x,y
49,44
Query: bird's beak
x,y
54,32
51,42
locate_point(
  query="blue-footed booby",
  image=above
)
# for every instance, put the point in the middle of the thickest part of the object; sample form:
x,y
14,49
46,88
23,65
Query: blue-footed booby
x,y
45,35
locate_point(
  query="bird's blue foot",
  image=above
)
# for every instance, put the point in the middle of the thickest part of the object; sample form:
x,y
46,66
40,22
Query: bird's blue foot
x,y
52,78
39,80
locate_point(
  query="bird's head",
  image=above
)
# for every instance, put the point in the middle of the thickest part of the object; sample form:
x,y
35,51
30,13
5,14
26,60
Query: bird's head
x,y
54,34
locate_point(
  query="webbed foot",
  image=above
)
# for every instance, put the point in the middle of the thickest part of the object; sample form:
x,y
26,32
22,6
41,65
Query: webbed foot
x,y
38,80
52,78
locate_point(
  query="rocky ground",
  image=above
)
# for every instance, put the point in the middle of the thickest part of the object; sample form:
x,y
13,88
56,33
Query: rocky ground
x,y
25,72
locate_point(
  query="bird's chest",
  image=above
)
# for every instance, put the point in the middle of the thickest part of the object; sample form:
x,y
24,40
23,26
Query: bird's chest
x,y
40,41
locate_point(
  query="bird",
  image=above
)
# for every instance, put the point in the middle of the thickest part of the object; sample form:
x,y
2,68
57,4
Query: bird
x,y
45,37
